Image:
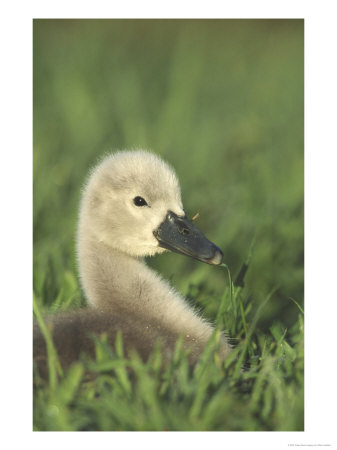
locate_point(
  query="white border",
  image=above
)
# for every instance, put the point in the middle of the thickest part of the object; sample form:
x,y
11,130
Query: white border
x,y
321,224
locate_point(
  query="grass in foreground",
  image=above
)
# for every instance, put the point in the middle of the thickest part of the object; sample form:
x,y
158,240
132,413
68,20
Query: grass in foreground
x,y
117,393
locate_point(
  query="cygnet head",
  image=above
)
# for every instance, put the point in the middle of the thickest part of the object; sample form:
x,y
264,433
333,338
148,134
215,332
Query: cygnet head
x,y
132,203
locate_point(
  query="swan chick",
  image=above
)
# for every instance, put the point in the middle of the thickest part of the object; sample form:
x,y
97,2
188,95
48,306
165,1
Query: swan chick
x,y
131,208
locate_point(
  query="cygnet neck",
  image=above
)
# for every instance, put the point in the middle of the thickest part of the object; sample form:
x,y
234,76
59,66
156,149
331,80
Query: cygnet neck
x,y
119,283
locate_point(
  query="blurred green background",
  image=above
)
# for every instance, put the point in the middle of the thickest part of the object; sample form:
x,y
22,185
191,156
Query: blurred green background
x,y
221,100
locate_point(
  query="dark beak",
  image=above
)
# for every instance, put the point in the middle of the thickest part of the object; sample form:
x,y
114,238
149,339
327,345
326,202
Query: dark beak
x,y
180,235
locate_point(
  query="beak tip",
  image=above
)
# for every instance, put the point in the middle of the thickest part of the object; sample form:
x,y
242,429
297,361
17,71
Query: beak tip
x,y
216,258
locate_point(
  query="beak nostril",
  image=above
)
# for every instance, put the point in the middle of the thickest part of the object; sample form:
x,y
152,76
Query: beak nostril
x,y
184,231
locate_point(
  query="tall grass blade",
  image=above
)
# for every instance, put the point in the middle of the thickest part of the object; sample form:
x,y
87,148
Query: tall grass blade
x,y
54,366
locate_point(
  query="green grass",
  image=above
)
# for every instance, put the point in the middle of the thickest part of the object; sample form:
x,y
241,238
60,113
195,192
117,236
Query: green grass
x,y
222,101
116,393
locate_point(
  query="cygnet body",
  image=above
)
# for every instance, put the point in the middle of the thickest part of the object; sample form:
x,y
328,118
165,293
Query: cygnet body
x,y
131,208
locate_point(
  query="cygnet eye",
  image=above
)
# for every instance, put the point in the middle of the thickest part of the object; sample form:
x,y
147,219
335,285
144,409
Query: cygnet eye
x,y
139,201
